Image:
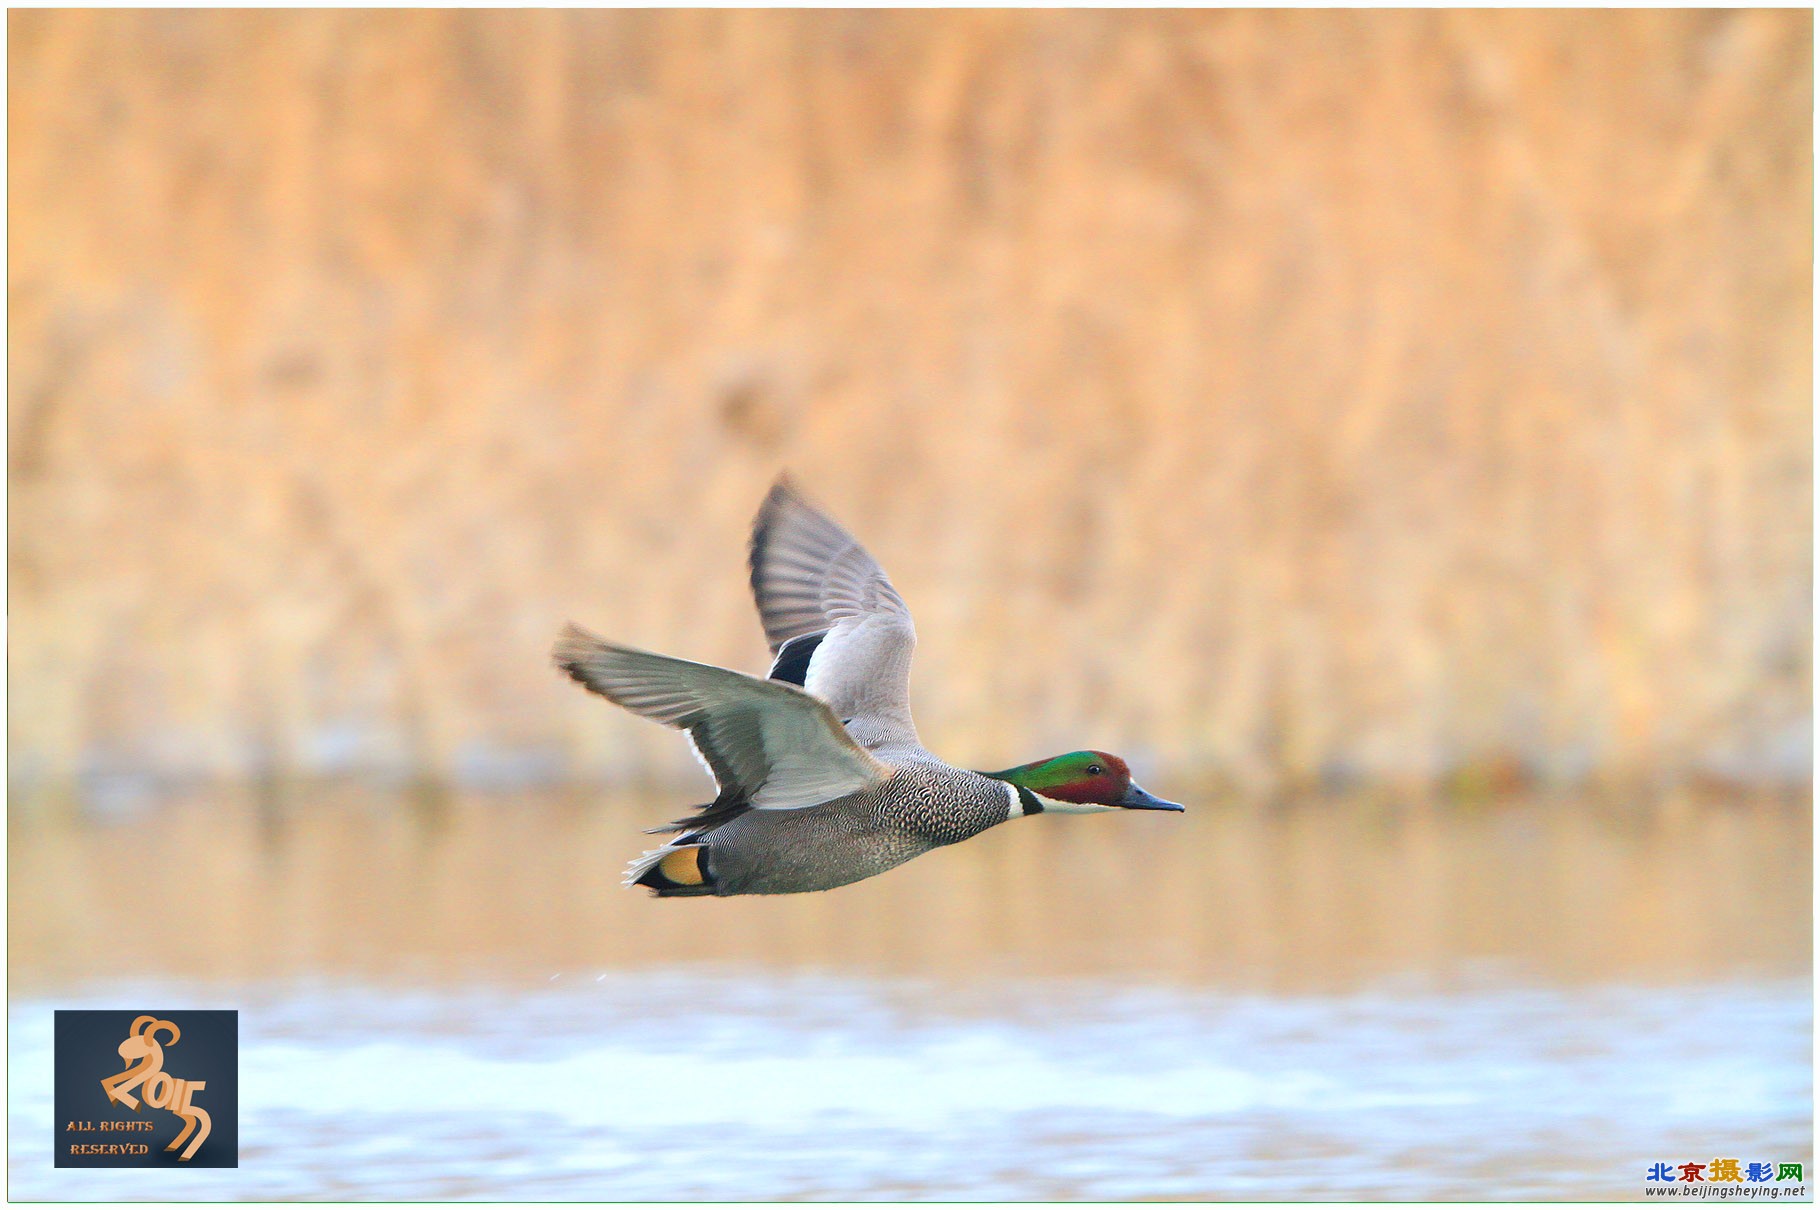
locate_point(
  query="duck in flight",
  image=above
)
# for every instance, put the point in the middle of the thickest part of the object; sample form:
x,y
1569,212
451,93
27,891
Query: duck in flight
x,y
821,778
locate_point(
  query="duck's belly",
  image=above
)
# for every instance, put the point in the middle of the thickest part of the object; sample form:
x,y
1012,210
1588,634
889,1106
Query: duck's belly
x,y
813,849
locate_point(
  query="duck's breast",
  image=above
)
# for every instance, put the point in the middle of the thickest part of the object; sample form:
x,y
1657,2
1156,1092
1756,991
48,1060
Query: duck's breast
x,y
942,803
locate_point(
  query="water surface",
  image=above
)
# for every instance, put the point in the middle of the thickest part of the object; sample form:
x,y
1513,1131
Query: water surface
x,y
729,1086
1328,1000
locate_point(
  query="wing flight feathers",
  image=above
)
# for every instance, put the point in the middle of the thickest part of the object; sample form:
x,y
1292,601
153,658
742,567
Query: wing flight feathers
x,y
774,744
811,577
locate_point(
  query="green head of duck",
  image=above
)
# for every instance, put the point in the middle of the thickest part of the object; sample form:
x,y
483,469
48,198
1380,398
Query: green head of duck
x,y
1084,782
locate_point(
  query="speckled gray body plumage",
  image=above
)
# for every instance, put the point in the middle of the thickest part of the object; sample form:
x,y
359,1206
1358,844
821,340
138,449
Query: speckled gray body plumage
x,y
923,805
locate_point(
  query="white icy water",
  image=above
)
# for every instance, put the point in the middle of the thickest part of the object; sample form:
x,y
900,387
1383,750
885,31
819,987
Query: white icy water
x,y
754,1085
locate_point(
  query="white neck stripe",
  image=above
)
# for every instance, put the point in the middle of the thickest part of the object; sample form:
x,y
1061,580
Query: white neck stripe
x,y
1017,803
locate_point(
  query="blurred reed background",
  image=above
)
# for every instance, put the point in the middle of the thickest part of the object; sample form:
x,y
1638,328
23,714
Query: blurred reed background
x,y
1283,399
1391,430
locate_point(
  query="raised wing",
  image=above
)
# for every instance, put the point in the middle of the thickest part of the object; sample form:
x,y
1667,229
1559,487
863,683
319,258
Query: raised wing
x,y
835,623
770,742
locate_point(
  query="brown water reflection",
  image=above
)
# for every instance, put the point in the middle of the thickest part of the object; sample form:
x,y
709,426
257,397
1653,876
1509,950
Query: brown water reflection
x,y
1311,896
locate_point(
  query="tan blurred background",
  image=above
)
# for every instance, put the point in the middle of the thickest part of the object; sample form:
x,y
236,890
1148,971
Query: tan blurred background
x,y
1279,398
1390,430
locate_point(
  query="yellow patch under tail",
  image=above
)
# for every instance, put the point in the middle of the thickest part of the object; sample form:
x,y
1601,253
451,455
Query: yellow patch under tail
x,y
683,867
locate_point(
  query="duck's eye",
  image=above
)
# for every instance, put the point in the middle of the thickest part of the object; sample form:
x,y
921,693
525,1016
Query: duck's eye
x,y
1094,770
